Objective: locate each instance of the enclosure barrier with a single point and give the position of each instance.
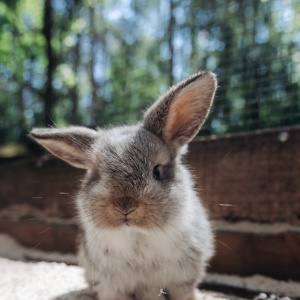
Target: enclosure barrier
(248, 182)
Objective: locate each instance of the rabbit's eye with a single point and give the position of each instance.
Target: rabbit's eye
(156, 172)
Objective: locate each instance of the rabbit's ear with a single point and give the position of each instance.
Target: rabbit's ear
(72, 144)
(177, 116)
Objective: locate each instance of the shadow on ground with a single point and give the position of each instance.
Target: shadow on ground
(84, 294)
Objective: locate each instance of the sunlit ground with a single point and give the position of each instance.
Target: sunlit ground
(24, 276)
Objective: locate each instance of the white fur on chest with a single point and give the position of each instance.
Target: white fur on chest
(129, 258)
(131, 247)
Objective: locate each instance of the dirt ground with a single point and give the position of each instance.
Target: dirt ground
(51, 281)
(32, 274)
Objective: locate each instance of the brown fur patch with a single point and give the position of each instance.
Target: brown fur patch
(146, 215)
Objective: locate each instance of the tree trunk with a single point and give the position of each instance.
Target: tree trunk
(93, 82)
(74, 90)
(250, 65)
(49, 92)
(226, 68)
(171, 30)
(253, 108)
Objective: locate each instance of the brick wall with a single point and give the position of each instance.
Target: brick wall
(249, 183)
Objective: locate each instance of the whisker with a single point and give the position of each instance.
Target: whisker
(224, 245)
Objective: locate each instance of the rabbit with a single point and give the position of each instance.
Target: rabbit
(145, 233)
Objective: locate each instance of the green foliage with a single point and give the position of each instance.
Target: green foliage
(111, 59)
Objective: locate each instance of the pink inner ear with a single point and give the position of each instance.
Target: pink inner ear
(189, 109)
(184, 115)
(178, 115)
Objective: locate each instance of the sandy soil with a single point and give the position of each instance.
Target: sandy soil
(50, 278)
(50, 281)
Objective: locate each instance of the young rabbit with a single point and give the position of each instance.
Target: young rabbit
(146, 234)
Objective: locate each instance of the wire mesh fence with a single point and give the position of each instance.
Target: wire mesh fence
(95, 65)
(258, 67)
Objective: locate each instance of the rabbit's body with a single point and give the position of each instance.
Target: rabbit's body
(130, 263)
(145, 232)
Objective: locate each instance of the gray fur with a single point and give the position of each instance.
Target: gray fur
(141, 235)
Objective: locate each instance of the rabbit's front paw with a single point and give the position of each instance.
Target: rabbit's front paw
(196, 296)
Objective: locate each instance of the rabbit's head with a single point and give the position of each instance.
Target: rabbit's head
(134, 176)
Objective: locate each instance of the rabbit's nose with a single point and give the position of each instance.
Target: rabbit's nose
(125, 205)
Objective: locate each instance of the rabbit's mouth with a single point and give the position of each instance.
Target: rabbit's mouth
(127, 222)
(133, 218)
(137, 214)
(127, 215)
(127, 209)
